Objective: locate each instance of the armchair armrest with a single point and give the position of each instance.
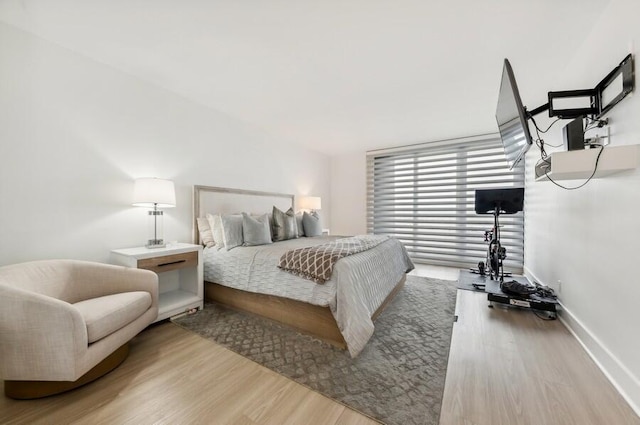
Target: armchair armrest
(42, 337)
(93, 280)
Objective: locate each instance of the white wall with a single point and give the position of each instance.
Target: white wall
(589, 239)
(74, 134)
(349, 194)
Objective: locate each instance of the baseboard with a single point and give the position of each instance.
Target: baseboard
(616, 372)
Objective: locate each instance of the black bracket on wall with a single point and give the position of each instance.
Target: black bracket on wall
(623, 74)
(586, 97)
(595, 102)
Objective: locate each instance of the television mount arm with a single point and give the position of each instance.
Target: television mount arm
(540, 109)
(621, 77)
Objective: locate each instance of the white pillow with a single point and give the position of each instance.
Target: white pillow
(206, 237)
(216, 229)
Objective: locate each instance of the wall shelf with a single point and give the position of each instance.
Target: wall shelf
(572, 165)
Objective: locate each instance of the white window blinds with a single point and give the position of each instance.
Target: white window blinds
(424, 196)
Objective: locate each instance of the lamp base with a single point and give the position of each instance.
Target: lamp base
(155, 243)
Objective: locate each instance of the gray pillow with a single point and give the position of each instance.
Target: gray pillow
(232, 229)
(256, 231)
(284, 225)
(299, 224)
(311, 224)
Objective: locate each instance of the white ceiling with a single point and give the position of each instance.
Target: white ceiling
(335, 76)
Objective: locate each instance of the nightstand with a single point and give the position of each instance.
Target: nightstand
(180, 274)
(326, 232)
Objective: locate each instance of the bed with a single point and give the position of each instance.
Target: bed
(340, 311)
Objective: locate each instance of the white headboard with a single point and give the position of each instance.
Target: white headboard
(222, 200)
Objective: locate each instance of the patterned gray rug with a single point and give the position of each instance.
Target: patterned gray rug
(397, 379)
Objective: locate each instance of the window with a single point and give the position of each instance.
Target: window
(424, 196)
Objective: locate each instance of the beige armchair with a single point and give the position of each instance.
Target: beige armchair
(64, 323)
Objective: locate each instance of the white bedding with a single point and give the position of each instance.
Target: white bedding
(358, 286)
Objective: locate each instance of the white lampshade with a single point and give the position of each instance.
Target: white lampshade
(310, 203)
(149, 192)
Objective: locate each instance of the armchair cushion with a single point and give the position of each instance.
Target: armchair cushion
(107, 314)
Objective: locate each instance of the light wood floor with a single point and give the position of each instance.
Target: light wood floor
(173, 376)
(505, 367)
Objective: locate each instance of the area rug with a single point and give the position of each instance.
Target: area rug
(397, 379)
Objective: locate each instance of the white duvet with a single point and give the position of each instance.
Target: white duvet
(358, 286)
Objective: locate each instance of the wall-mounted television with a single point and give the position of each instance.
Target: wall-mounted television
(512, 119)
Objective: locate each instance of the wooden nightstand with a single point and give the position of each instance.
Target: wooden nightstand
(180, 274)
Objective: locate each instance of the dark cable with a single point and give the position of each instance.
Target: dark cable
(554, 146)
(594, 123)
(540, 145)
(540, 142)
(548, 128)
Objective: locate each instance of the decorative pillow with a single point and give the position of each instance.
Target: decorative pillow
(256, 231)
(215, 222)
(206, 237)
(299, 225)
(232, 231)
(311, 224)
(284, 225)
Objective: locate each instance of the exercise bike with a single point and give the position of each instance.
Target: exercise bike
(496, 201)
(496, 253)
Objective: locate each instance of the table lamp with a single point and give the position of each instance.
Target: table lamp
(156, 193)
(311, 203)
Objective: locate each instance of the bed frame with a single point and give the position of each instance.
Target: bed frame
(308, 318)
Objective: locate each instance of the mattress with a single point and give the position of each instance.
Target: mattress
(358, 286)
